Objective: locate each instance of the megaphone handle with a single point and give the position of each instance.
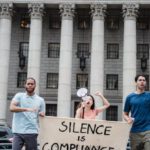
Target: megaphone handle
(83, 113)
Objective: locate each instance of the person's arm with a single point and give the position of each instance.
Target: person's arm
(42, 109)
(15, 108)
(79, 111)
(42, 114)
(127, 118)
(106, 104)
(127, 110)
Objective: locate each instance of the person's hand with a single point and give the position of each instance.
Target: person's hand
(42, 114)
(130, 120)
(98, 93)
(83, 104)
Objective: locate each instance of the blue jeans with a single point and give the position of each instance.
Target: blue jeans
(27, 140)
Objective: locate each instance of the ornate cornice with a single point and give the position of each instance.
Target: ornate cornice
(67, 10)
(120, 2)
(36, 10)
(6, 10)
(98, 10)
(130, 11)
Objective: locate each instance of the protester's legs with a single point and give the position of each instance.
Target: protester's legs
(147, 145)
(146, 140)
(18, 142)
(136, 141)
(30, 141)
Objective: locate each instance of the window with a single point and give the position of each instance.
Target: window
(112, 113)
(25, 22)
(51, 109)
(143, 23)
(111, 82)
(142, 51)
(113, 23)
(83, 50)
(81, 81)
(53, 50)
(21, 77)
(54, 21)
(23, 54)
(52, 80)
(112, 51)
(83, 22)
(76, 104)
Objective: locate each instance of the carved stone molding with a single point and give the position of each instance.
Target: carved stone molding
(36, 10)
(6, 10)
(130, 11)
(98, 11)
(67, 11)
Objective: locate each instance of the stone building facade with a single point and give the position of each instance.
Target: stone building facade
(66, 45)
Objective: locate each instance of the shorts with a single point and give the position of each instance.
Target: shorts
(140, 141)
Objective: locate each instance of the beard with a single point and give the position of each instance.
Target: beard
(30, 90)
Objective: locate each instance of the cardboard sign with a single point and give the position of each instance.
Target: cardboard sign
(80, 134)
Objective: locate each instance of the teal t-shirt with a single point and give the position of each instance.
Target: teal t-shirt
(139, 106)
(27, 122)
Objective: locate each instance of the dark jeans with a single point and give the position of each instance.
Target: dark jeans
(27, 140)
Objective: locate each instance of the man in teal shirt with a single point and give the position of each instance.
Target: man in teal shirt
(137, 111)
(27, 107)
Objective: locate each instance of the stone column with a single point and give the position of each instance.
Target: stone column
(97, 50)
(5, 40)
(35, 40)
(65, 61)
(129, 48)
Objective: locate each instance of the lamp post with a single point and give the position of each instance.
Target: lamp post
(82, 56)
(82, 62)
(22, 60)
(143, 64)
(83, 49)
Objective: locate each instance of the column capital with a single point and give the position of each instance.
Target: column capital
(130, 11)
(98, 10)
(6, 10)
(67, 10)
(36, 10)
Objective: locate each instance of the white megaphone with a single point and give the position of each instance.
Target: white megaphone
(82, 92)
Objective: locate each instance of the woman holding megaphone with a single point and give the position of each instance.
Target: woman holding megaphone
(86, 108)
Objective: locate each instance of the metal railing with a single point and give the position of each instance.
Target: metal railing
(5, 144)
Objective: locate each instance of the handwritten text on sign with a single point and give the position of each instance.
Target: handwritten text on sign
(78, 134)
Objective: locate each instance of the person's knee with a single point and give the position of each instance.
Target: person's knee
(17, 143)
(17, 146)
(31, 142)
